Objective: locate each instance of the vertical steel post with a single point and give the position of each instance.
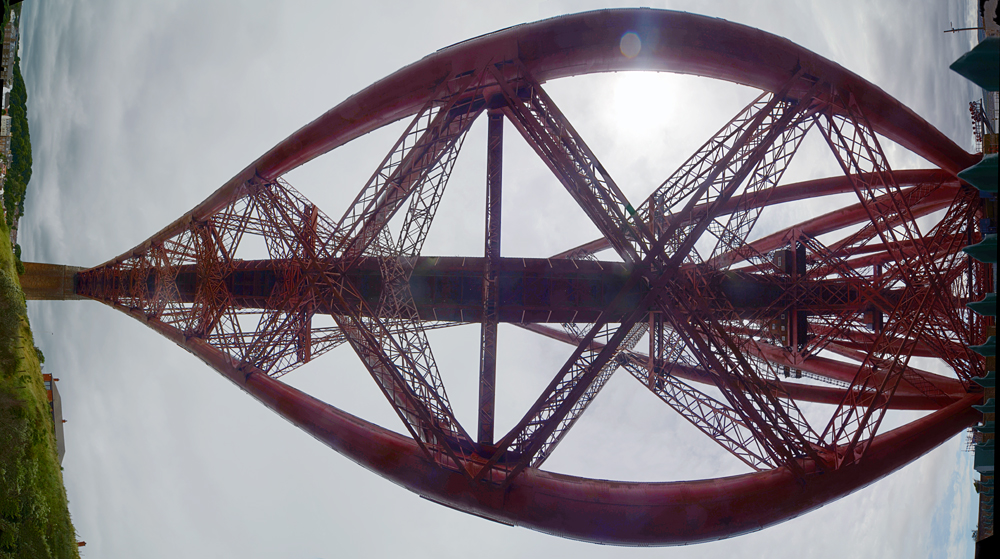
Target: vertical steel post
(655, 348)
(488, 348)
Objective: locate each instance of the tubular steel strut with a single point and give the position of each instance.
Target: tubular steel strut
(749, 318)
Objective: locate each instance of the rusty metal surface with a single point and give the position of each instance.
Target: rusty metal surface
(609, 512)
(589, 43)
(741, 316)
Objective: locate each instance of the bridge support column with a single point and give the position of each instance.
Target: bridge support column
(49, 282)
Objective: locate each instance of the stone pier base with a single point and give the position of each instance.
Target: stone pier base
(49, 282)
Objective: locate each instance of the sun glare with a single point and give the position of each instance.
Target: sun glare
(630, 45)
(642, 102)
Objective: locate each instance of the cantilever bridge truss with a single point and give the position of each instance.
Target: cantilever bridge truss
(691, 297)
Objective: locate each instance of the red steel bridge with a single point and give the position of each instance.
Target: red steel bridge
(685, 295)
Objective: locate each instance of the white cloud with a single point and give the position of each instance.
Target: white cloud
(138, 111)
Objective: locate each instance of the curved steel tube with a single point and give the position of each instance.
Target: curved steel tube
(906, 396)
(839, 219)
(600, 511)
(588, 43)
(592, 510)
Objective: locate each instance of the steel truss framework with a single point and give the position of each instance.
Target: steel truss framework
(717, 306)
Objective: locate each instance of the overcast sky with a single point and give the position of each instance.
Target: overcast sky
(139, 110)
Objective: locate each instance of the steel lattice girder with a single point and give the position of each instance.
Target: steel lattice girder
(437, 463)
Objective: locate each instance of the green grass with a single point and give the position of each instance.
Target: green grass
(19, 171)
(34, 514)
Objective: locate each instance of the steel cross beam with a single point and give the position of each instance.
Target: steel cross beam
(559, 145)
(944, 323)
(422, 407)
(733, 234)
(930, 181)
(608, 369)
(564, 151)
(950, 229)
(520, 446)
(827, 261)
(762, 405)
(763, 123)
(425, 151)
(863, 341)
(301, 278)
(708, 172)
(574, 380)
(874, 295)
(418, 167)
(858, 151)
(766, 172)
(420, 162)
(836, 373)
(281, 336)
(831, 260)
(718, 421)
(662, 377)
(491, 287)
(866, 401)
(785, 437)
(394, 345)
(272, 337)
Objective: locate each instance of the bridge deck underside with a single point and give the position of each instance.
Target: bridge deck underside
(531, 290)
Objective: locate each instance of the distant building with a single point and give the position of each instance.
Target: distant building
(989, 27)
(5, 135)
(55, 404)
(9, 51)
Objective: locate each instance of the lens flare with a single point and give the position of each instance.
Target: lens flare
(630, 45)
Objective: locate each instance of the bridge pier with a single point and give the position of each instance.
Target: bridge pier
(49, 282)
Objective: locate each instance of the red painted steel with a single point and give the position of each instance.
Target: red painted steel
(906, 397)
(583, 44)
(609, 512)
(491, 280)
(887, 288)
(818, 188)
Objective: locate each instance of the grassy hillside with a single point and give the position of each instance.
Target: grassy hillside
(19, 172)
(34, 517)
